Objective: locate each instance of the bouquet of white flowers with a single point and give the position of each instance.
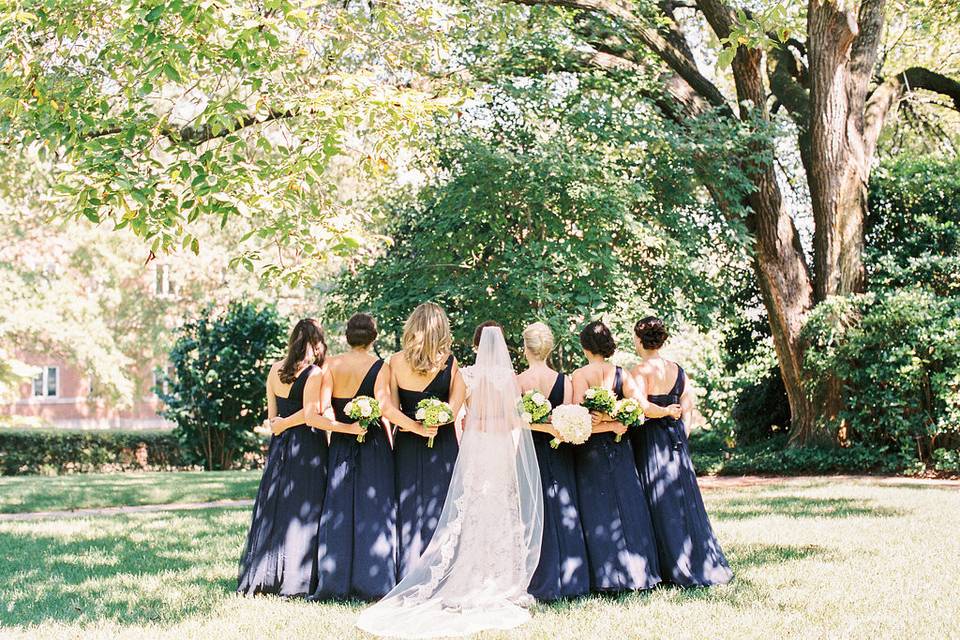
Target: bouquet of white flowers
(573, 423)
(433, 413)
(366, 411)
(599, 399)
(627, 412)
(534, 407)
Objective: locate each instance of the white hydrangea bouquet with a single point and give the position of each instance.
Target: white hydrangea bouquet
(573, 423)
(628, 412)
(365, 411)
(433, 413)
(534, 407)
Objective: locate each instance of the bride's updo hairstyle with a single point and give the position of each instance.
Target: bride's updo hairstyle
(652, 332)
(426, 338)
(538, 340)
(478, 332)
(597, 339)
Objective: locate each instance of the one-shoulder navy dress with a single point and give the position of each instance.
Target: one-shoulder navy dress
(562, 571)
(357, 544)
(281, 552)
(689, 552)
(423, 473)
(621, 546)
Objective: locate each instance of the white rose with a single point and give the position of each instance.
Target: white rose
(443, 418)
(590, 393)
(365, 411)
(421, 414)
(527, 417)
(349, 407)
(538, 398)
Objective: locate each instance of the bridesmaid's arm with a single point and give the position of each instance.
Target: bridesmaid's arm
(688, 401)
(317, 388)
(458, 390)
(381, 391)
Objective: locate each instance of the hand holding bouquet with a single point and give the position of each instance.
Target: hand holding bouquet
(534, 407)
(433, 413)
(627, 412)
(366, 411)
(573, 423)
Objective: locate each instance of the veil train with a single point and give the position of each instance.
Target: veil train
(475, 572)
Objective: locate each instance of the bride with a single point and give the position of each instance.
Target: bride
(474, 573)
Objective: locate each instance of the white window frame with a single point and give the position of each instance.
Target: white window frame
(44, 376)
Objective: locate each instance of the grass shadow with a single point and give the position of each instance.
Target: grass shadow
(125, 569)
(799, 507)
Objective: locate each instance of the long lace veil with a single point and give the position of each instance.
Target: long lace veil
(475, 572)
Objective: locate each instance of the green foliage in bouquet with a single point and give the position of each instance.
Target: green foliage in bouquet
(599, 399)
(366, 411)
(534, 407)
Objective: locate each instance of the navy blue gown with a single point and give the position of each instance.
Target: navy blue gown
(621, 547)
(423, 474)
(688, 551)
(357, 542)
(562, 571)
(281, 552)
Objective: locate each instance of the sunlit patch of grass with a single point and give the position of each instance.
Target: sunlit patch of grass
(20, 494)
(815, 559)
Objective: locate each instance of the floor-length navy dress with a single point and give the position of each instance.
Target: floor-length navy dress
(621, 547)
(281, 552)
(689, 552)
(357, 542)
(423, 473)
(562, 571)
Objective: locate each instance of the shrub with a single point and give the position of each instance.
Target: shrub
(217, 391)
(25, 451)
(898, 357)
(762, 409)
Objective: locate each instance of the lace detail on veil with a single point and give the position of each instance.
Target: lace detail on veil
(475, 572)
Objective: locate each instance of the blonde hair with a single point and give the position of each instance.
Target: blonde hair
(426, 338)
(538, 340)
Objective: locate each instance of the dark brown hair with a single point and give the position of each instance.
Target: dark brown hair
(479, 330)
(306, 332)
(651, 331)
(596, 338)
(361, 330)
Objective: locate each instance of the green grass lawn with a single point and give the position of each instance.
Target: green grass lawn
(815, 558)
(19, 494)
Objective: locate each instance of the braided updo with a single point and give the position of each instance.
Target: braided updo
(652, 332)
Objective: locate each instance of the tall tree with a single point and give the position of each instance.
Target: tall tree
(828, 84)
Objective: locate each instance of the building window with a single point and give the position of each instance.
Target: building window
(164, 285)
(45, 383)
(161, 381)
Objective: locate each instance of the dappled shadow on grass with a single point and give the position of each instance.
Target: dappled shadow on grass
(799, 507)
(125, 569)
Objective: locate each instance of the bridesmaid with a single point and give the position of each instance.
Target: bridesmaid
(424, 368)
(280, 555)
(357, 542)
(562, 572)
(621, 546)
(689, 553)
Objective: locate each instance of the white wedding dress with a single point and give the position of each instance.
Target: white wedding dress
(475, 572)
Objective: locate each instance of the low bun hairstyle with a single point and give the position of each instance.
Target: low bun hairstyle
(596, 338)
(361, 330)
(306, 332)
(538, 340)
(652, 332)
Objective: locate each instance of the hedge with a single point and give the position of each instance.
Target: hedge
(50, 451)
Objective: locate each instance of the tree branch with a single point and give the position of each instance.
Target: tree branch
(886, 98)
(203, 133)
(673, 57)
